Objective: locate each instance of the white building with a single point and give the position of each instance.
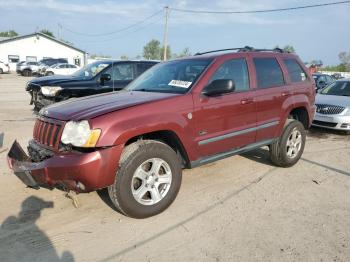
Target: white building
(34, 47)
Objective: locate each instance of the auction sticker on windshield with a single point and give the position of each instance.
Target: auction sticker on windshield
(179, 83)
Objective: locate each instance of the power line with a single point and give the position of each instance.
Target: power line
(257, 11)
(114, 32)
(126, 34)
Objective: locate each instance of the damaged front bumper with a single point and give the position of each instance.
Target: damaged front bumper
(77, 171)
(39, 100)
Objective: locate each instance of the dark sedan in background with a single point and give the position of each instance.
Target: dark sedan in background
(95, 78)
(322, 80)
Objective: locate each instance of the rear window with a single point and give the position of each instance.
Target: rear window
(268, 72)
(295, 71)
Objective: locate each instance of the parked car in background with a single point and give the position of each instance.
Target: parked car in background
(61, 69)
(47, 62)
(27, 68)
(95, 78)
(337, 76)
(4, 68)
(178, 114)
(322, 80)
(333, 106)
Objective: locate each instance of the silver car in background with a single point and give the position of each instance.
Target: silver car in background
(333, 106)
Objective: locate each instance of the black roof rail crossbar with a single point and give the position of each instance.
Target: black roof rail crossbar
(239, 49)
(277, 49)
(244, 49)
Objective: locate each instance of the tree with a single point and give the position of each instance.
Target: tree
(9, 33)
(95, 56)
(289, 48)
(124, 57)
(47, 32)
(318, 63)
(184, 53)
(344, 58)
(152, 50)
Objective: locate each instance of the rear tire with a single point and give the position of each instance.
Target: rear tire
(27, 73)
(1, 71)
(148, 179)
(288, 149)
(49, 73)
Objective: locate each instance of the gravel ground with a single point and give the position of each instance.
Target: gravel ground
(238, 209)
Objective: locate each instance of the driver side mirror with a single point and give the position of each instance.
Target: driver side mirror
(105, 78)
(219, 87)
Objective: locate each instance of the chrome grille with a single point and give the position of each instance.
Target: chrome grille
(47, 133)
(329, 109)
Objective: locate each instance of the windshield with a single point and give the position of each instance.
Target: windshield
(339, 88)
(90, 70)
(171, 77)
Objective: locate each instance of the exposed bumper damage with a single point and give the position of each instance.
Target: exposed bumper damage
(39, 100)
(76, 171)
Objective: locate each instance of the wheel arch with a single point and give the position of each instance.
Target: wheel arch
(301, 114)
(168, 137)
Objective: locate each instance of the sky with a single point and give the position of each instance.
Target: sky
(317, 34)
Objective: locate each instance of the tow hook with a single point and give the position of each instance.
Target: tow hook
(74, 197)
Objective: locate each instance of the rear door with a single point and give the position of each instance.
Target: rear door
(227, 121)
(270, 92)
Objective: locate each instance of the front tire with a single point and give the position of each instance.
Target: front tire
(288, 149)
(148, 179)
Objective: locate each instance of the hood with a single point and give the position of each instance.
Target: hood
(93, 106)
(333, 100)
(54, 80)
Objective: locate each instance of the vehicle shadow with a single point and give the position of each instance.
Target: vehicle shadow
(103, 194)
(22, 240)
(319, 132)
(260, 155)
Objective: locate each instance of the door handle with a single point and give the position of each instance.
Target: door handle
(286, 93)
(247, 101)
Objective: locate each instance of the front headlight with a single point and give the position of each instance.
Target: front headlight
(348, 111)
(79, 134)
(50, 90)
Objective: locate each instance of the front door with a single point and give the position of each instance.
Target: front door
(122, 75)
(226, 122)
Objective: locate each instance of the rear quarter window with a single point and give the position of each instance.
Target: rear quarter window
(295, 71)
(268, 72)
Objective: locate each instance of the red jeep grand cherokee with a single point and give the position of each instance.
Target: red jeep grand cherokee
(178, 114)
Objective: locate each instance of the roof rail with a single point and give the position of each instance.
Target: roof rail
(244, 49)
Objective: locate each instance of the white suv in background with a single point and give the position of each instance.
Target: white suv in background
(4, 68)
(61, 69)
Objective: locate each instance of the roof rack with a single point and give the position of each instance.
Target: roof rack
(244, 49)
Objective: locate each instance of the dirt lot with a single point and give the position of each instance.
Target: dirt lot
(238, 209)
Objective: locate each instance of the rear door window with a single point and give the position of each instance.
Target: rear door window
(268, 72)
(295, 71)
(142, 67)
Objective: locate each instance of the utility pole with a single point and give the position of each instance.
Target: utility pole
(165, 40)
